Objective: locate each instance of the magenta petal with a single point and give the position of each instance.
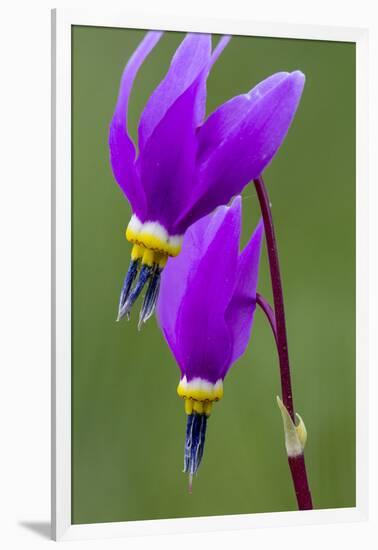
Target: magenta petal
(240, 312)
(190, 59)
(173, 285)
(223, 121)
(201, 97)
(122, 150)
(247, 149)
(174, 279)
(223, 42)
(167, 163)
(202, 333)
(191, 309)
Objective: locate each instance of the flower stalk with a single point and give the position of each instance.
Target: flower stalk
(266, 308)
(278, 323)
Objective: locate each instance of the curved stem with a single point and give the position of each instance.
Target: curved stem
(296, 463)
(275, 276)
(266, 307)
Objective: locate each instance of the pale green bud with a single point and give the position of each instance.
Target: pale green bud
(295, 436)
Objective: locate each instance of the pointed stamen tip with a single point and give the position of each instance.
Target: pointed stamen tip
(190, 484)
(119, 316)
(127, 286)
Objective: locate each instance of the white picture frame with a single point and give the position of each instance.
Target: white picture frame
(62, 21)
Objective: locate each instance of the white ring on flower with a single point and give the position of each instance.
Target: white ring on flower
(154, 236)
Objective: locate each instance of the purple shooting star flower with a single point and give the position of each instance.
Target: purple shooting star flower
(187, 167)
(205, 310)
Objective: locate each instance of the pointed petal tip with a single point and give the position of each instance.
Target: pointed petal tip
(277, 79)
(260, 228)
(191, 58)
(232, 215)
(298, 78)
(235, 207)
(258, 235)
(237, 211)
(223, 42)
(236, 202)
(298, 75)
(255, 241)
(156, 34)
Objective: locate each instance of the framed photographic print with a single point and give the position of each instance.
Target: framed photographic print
(209, 265)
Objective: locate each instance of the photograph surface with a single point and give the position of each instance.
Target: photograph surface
(213, 181)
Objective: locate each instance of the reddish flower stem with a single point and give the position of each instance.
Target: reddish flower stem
(297, 464)
(266, 307)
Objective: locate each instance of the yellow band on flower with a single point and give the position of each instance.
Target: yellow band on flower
(199, 394)
(153, 236)
(148, 257)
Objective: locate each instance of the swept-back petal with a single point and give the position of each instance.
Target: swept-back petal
(196, 289)
(122, 150)
(174, 280)
(173, 286)
(167, 165)
(175, 277)
(228, 116)
(203, 336)
(190, 59)
(223, 42)
(201, 97)
(247, 149)
(240, 311)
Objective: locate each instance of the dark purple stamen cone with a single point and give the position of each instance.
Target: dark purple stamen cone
(194, 443)
(144, 275)
(127, 284)
(150, 298)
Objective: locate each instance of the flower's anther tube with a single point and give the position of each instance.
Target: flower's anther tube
(194, 443)
(198, 395)
(150, 298)
(127, 284)
(152, 246)
(144, 275)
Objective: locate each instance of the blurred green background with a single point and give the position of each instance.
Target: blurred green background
(128, 423)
